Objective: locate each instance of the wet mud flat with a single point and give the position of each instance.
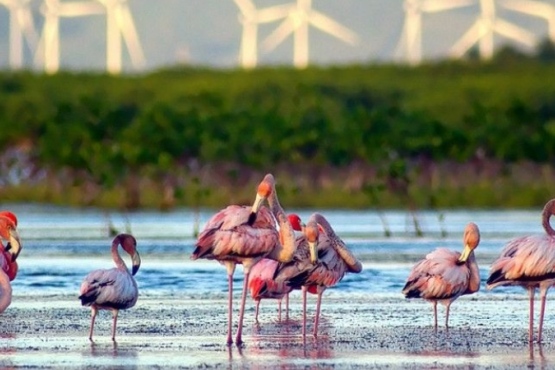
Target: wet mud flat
(356, 331)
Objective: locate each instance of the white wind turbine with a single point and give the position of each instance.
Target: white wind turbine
(120, 25)
(48, 52)
(297, 21)
(22, 29)
(536, 9)
(250, 18)
(410, 43)
(483, 30)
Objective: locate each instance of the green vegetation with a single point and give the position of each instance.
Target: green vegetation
(446, 134)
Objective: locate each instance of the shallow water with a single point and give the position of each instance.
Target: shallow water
(61, 245)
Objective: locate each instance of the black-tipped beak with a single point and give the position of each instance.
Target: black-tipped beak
(13, 246)
(136, 261)
(252, 218)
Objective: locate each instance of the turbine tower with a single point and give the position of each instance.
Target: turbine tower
(483, 30)
(410, 44)
(297, 21)
(22, 29)
(48, 53)
(536, 9)
(119, 24)
(250, 18)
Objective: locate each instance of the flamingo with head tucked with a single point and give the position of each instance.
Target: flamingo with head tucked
(262, 279)
(529, 262)
(246, 235)
(327, 267)
(444, 275)
(114, 289)
(9, 233)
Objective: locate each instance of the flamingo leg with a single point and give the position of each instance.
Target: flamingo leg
(435, 315)
(287, 306)
(238, 338)
(447, 315)
(304, 290)
(542, 311)
(230, 309)
(257, 306)
(279, 309)
(114, 323)
(318, 303)
(94, 312)
(531, 291)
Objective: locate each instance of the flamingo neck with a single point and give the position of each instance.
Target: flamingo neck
(285, 250)
(548, 211)
(349, 258)
(120, 263)
(5, 292)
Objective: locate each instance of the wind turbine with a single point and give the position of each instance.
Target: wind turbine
(297, 21)
(536, 9)
(250, 18)
(483, 30)
(120, 25)
(22, 29)
(48, 52)
(410, 43)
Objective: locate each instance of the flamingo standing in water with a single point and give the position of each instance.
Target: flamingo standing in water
(324, 270)
(245, 235)
(444, 275)
(114, 289)
(263, 285)
(529, 262)
(7, 259)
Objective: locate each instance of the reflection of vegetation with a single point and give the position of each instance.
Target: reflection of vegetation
(135, 141)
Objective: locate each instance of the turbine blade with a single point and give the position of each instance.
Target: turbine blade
(80, 9)
(328, 25)
(514, 32)
(275, 38)
(246, 7)
(471, 37)
(531, 7)
(130, 36)
(273, 13)
(435, 6)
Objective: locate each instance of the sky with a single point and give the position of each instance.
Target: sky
(208, 33)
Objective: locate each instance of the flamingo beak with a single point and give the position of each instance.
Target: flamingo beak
(136, 263)
(14, 246)
(464, 255)
(255, 208)
(313, 249)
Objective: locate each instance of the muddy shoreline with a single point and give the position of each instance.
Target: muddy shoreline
(357, 331)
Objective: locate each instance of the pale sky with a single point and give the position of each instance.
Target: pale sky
(208, 32)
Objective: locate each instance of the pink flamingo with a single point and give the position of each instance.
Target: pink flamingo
(529, 262)
(444, 275)
(7, 259)
(246, 235)
(321, 271)
(263, 285)
(11, 251)
(114, 289)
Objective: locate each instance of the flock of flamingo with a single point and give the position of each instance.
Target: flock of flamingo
(276, 262)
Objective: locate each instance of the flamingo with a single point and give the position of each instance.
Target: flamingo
(444, 275)
(262, 284)
(11, 251)
(114, 289)
(7, 258)
(245, 235)
(321, 271)
(529, 262)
